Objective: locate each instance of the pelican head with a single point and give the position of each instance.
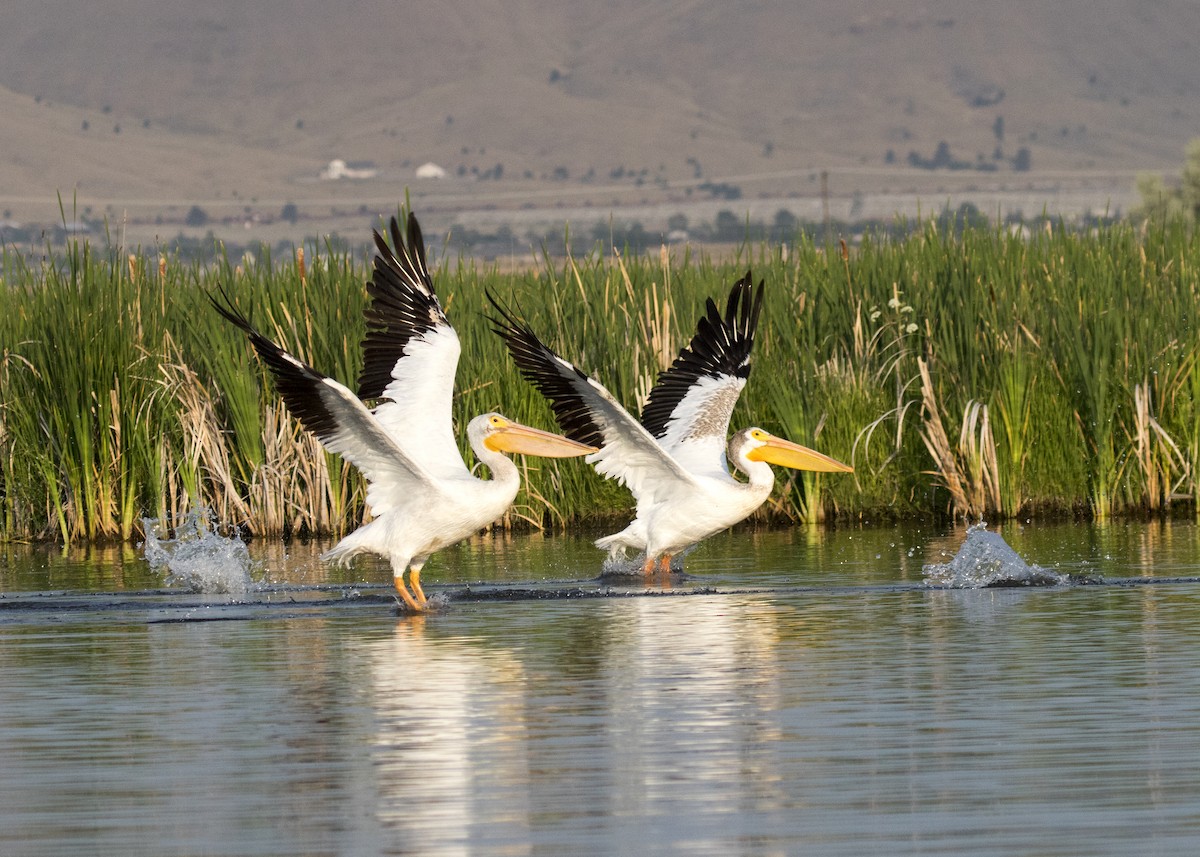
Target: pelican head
(755, 444)
(497, 433)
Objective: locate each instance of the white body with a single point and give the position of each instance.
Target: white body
(419, 488)
(681, 520)
(413, 522)
(675, 460)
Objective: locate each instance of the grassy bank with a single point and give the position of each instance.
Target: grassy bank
(973, 374)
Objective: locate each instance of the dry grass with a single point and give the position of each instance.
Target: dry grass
(969, 375)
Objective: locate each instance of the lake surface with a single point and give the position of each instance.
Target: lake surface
(800, 692)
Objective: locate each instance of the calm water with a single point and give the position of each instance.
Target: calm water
(800, 693)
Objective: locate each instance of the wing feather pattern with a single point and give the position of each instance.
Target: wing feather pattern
(690, 405)
(339, 419)
(410, 352)
(588, 413)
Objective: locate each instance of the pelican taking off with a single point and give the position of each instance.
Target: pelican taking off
(674, 460)
(419, 488)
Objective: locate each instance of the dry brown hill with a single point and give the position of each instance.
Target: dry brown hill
(143, 108)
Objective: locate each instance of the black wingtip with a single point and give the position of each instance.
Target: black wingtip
(298, 383)
(510, 320)
(416, 242)
(549, 374)
(228, 310)
(720, 346)
(403, 303)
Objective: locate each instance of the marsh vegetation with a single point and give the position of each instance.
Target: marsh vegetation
(975, 372)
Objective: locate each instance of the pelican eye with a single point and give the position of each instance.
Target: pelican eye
(758, 434)
(497, 421)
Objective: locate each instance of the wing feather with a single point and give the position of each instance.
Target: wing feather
(410, 352)
(690, 405)
(339, 419)
(588, 413)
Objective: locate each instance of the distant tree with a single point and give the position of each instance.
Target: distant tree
(1023, 160)
(785, 226)
(632, 237)
(196, 216)
(998, 129)
(729, 227)
(677, 222)
(289, 212)
(86, 125)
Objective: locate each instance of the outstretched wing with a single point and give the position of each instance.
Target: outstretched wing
(690, 405)
(339, 419)
(589, 414)
(410, 353)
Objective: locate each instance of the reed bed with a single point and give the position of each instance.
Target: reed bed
(973, 373)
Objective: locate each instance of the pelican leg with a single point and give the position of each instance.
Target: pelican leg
(405, 595)
(648, 567)
(665, 564)
(414, 580)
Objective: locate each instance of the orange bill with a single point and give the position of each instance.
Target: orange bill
(514, 437)
(776, 450)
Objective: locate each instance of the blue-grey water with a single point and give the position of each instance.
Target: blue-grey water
(801, 692)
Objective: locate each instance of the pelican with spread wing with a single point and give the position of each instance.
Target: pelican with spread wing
(419, 489)
(676, 460)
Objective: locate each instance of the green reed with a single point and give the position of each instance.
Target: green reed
(973, 373)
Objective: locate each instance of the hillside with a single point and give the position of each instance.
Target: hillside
(141, 109)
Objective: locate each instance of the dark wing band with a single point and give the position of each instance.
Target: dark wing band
(403, 305)
(588, 413)
(564, 386)
(336, 416)
(720, 349)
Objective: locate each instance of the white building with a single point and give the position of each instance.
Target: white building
(430, 170)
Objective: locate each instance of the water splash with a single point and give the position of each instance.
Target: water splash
(985, 559)
(198, 557)
(622, 566)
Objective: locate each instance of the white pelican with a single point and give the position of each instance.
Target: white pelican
(674, 460)
(419, 489)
